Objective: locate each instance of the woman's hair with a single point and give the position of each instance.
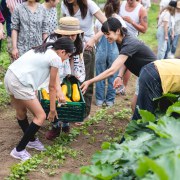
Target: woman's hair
(113, 24)
(82, 6)
(111, 6)
(78, 43)
(170, 9)
(63, 43)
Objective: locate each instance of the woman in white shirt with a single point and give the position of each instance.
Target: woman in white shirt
(22, 80)
(162, 32)
(85, 11)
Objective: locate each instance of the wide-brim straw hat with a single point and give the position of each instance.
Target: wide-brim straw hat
(68, 26)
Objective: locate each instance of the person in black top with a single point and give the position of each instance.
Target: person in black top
(133, 54)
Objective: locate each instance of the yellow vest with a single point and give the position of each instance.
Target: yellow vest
(169, 71)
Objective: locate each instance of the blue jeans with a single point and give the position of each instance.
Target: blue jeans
(174, 44)
(162, 43)
(106, 53)
(149, 88)
(171, 44)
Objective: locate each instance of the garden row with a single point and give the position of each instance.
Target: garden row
(151, 149)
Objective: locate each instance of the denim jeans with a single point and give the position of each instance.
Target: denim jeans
(171, 44)
(162, 43)
(106, 53)
(149, 88)
(89, 62)
(174, 44)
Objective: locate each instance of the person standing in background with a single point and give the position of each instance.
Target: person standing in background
(162, 32)
(1, 26)
(29, 27)
(85, 11)
(174, 38)
(50, 6)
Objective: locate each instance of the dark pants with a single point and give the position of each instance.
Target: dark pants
(149, 88)
(89, 61)
(7, 16)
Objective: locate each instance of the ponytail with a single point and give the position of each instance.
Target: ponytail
(63, 43)
(111, 7)
(42, 48)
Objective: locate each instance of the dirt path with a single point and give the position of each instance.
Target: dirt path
(11, 133)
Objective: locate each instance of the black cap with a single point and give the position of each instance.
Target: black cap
(173, 4)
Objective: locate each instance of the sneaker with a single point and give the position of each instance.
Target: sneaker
(121, 90)
(99, 103)
(22, 155)
(170, 55)
(109, 103)
(53, 133)
(36, 145)
(66, 129)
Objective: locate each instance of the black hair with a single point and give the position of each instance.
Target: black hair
(63, 43)
(113, 24)
(111, 6)
(78, 43)
(82, 6)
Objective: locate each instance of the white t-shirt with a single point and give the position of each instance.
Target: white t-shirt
(164, 16)
(86, 24)
(98, 24)
(32, 69)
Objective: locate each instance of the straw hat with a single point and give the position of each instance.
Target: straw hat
(68, 26)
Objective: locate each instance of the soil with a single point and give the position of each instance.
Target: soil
(11, 134)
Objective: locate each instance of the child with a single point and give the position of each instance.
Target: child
(22, 83)
(69, 27)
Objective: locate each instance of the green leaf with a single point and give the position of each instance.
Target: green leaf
(147, 116)
(105, 145)
(147, 164)
(174, 108)
(101, 172)
(107, 156)
(70, 176)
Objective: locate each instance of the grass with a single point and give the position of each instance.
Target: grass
(150, 36)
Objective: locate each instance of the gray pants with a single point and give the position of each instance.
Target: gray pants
(89, 61)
